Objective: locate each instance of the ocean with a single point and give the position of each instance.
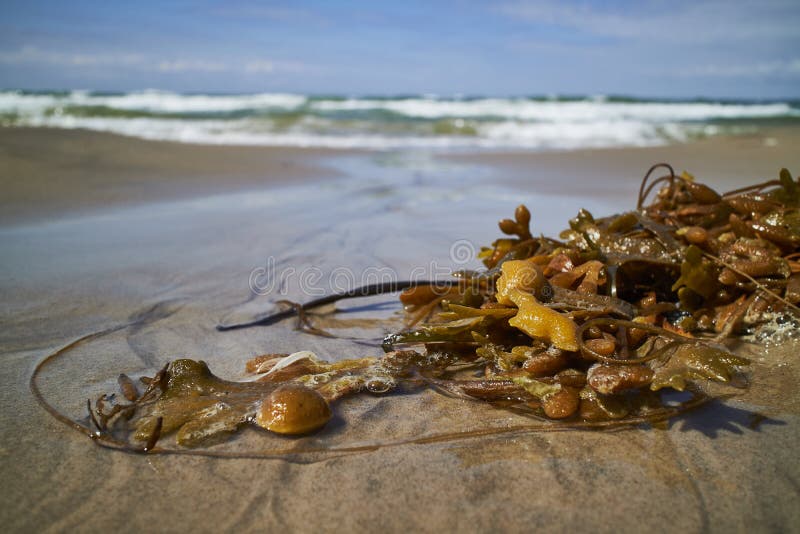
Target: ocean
(416, 121)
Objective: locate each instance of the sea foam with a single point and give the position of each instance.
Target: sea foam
(383, 123)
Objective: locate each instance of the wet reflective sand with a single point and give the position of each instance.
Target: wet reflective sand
(173, 270)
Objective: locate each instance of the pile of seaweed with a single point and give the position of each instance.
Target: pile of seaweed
(592, 329)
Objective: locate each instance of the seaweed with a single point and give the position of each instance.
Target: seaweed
(588, 330)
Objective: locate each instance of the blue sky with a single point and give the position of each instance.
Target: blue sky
(676, 48)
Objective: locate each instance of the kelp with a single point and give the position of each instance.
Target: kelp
(588, 330)
(695, 361)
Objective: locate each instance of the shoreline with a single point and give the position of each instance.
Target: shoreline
(722, 162)
(48, 174)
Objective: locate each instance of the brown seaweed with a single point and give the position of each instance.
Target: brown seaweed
(590, 329)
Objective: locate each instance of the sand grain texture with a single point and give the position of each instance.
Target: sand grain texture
(182, 265)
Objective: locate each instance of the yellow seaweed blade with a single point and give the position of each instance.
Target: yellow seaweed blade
(522, 275)
(541, 322)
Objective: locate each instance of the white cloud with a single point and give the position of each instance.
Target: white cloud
(259, 66)
(264, 66)
(788, 68)
(191, 65)
(35, 55)
(678, 21)
(32, 54)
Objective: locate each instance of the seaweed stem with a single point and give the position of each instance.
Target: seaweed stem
(644, 193)
(608, 321)
(363, 291)
(91, 415)
(758, 284)
(754, 187)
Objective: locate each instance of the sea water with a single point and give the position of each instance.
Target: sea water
(417, 121)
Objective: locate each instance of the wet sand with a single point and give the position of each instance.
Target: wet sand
(50, 173)
(173, 268)
(47, 173)
(722, 162)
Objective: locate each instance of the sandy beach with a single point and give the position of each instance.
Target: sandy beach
(722, 162)
(49, 173)
(99, 231)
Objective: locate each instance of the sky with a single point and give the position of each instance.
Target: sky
(677, 48)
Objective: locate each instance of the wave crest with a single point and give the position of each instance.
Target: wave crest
(415, 121)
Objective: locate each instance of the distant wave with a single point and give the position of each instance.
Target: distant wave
(538, 123)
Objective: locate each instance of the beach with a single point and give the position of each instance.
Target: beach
(50, 173)
(157, 241)
(724, 162)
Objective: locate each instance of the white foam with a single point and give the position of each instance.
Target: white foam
(487, 122)
(152, 101)
(175, 103)
(559, 111)
(507, 134)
